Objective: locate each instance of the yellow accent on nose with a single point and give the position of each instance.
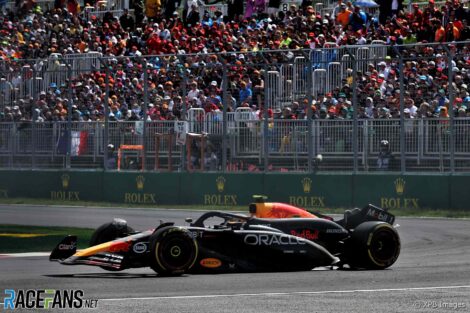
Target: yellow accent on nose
(95, 249)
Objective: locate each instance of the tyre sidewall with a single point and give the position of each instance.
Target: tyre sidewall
(361, 245)
(160, 260)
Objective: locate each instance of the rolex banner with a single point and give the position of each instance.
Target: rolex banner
(236, 190)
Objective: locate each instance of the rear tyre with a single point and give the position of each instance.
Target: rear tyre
(109, 232)
(173, 251)
(374, 245)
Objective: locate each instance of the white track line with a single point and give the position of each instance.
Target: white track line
(270, 294)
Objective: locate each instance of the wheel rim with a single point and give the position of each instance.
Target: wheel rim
(176, 252)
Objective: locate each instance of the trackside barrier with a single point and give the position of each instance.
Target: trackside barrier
(390, 191)
(43, 145)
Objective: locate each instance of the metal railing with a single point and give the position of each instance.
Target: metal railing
(427, 144)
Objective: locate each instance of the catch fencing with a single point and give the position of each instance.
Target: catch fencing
(166, 105)
(285, 144)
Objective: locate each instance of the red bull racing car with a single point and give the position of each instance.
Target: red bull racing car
(276, 237)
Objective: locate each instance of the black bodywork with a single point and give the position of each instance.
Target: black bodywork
(237, 243)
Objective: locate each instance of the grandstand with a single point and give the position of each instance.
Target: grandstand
(74, 81)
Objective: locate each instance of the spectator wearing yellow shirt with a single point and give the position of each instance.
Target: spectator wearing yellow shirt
(285, 42)
(152, 8)
(409, 38)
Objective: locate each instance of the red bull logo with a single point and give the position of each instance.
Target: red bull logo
(306, 233)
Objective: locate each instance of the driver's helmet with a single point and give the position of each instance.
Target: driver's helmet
(384, 144)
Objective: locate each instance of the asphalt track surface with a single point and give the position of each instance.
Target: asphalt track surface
(431, 275)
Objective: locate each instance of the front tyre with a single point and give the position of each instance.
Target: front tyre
(173, 251)
(374, 245)
(118, 228)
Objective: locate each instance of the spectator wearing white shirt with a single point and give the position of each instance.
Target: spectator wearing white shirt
(194, 91)
(369, 107)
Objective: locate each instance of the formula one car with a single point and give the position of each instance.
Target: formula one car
(237, 243)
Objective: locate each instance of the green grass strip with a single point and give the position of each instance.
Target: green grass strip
(11, 243)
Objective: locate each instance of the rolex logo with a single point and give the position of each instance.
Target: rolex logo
(307, 184)
(65, 181)
(140, 180)
(400, 185)
(220, 183)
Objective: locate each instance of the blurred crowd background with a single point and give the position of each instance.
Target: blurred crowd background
(247, 37)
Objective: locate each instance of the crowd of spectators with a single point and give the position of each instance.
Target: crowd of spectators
(246, 43)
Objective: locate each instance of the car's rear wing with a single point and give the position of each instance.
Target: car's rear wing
(65, 249)
(368, 213)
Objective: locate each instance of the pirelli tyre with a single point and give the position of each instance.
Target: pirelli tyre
(173, 251)
(374, 245)
(118, 228)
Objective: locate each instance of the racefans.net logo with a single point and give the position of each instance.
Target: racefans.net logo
(47, 299)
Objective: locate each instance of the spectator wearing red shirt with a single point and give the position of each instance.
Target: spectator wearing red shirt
(154, 42)
(417, 14)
